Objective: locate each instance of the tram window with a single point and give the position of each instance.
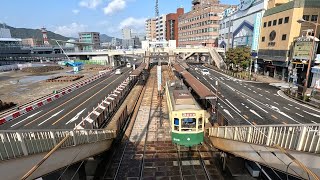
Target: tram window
(176, 121)
(188, 123)
(200, 123)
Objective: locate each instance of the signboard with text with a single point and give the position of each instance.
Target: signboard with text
(256, 32)
(302, 50)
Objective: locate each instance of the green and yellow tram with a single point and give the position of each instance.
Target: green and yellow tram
(187, 118)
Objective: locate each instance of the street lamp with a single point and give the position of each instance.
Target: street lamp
(311, 51)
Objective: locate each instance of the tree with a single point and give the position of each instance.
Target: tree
(239, 57)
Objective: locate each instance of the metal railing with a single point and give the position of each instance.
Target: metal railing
(295, 137)
(14, 144)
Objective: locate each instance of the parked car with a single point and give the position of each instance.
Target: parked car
(118, 71)
(205, 72)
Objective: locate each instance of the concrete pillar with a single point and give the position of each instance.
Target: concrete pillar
(283, 73)
(111, 60)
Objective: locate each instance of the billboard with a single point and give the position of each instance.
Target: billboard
(256, 32)
(302, 50)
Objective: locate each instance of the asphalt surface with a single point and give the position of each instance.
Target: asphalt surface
(247, 102)
(67, 111)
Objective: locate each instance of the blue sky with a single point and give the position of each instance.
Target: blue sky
(67, 17)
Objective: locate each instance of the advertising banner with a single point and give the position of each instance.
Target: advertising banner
(256, 32)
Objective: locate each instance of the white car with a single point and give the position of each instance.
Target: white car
(205, 72)
(118, 71)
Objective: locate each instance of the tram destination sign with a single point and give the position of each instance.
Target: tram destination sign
(188, 114)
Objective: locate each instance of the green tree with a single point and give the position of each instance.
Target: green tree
(238, 57)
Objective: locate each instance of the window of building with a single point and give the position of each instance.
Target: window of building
(269, 23)
(280, 21)
(314, 18)
(306, 17)
(284, 37)
(263, 39)
(286, 20)
(265, 24)
(274, 22)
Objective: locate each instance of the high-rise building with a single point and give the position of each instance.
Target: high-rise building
(150, 26)
(240, 25)
(126, 33)
(90, 37)
(161, 28)
(200, 26)
(172, 25)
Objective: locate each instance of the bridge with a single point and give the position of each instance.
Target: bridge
(40, 128)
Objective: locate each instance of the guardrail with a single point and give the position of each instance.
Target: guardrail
(298, 137)
(13, 113)
(14, 144)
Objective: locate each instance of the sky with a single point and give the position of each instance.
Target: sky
(68, 17)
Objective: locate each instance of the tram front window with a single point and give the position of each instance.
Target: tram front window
(188, 123)
(176, 124)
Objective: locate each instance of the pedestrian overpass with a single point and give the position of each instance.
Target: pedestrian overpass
(288, 148)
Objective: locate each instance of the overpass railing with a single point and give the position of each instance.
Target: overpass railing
(300, 137)
(14, 144)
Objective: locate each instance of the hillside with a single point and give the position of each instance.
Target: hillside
(106, 38)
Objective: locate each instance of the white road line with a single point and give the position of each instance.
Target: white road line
(299, 115)
(286, 115)
(228, 113)
(286, 108)
(276, 94)
(255, 113)
(26, 118)
(276, 103)
(233, 106)
(247, 107)
(296, 107)
(267, 91)
(312, 114)
(243, 96)
(249, 89)
(290, 105)
(50, 117)
(254, 91)
(75, 117)
(268, 99)
(287, 98)
(242, 104)
(244, 86)
(257, 106)
(260, 95)
(314, 122)
(259, 88)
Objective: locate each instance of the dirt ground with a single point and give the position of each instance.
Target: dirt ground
(22, 87)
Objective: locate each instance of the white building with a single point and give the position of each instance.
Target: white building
(5, 33)
(161, 28)
(126, 33)
(241, 26)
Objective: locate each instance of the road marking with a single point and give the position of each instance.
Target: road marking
(312, 114)
(26, 118)
(243, 96)
(274, 116)
(257, 106)
(260, 95)
(276, 103)
(268, 99)
(242, 104)
(233, 106)
(245, 116)
(276, 94)
(284, 122)
(254, 123)
(299, 115)
(50, 117)
(296, 107)
(76, 117)
(249, 89)
(267, 91)
(290, 105)
(222, 96)
(228, 113)
(286, 115)
(244, 86)
(247, 107)
(255, 113)
(74, 98)
(314, 122)
(259, 88)
(286, 108)
(254, 91)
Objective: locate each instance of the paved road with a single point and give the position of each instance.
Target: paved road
(244, 102)
(68, 110)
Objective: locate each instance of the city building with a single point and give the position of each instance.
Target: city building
(200, 26)
(127, 43)
(150, 26)
(5, 33)
(90, 37)
(172, 20)
(126, 33)
(240, 25)
(279, 32)
(161, 28)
